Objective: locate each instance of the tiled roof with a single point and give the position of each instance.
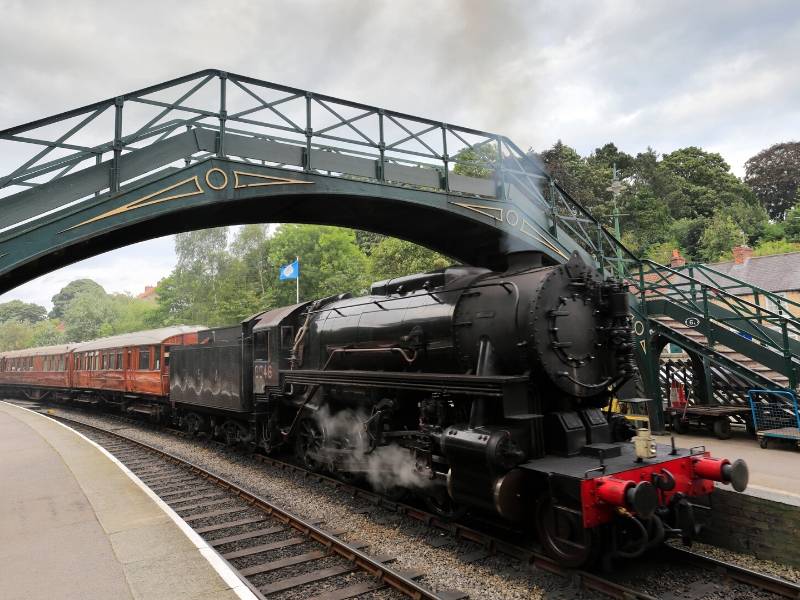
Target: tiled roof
(774, 273)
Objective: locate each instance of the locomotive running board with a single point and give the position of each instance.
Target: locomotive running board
(487, 385)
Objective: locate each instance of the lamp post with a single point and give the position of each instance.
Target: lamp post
(615, 188)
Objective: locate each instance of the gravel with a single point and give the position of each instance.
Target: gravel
(415, 546)
(496, 577)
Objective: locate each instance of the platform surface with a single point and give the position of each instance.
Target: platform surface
(774, 471)
(74, 524)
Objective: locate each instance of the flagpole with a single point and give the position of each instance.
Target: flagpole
(297, 280)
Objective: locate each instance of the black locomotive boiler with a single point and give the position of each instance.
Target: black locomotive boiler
(470, 388)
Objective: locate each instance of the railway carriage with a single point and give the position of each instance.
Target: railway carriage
(37, 371)
(129, 370)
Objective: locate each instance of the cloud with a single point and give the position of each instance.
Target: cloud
(719, 74)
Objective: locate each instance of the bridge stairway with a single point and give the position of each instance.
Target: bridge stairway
(741, 336)
(760, 374)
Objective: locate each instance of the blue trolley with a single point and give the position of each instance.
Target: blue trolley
(775, 415)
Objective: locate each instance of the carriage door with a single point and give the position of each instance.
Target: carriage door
(265, 372)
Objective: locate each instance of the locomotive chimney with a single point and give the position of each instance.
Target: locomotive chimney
(517, 261)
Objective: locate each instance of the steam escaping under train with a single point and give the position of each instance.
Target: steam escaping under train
(472, 389)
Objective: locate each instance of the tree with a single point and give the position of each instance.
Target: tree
(704, 183)
(62, 299)
(367, 240)
(394, 257)
(791, 226)
(15, 335)
(719, 237)
(750, 217)
(22, 311)
(330, 262)
(774, 175)
(47, 333)
(476, 161)
(88, 316)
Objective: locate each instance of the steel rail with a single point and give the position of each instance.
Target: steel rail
(724, 569)
(585, 579)
(360, 559)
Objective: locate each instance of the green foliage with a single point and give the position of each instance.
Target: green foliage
(367, 240)
(721, 234)
(774, 175)
(751, 218)
(476, 161)
(22, 311)
(88, 315)
(47, 333)
(775, 247)
(62, 299)
(791, 226)
(704, 183)
(330, 262)
(394, 258)
(662, 252)
(14, 335)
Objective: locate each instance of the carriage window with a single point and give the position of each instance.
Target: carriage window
(119, 361)
(261, 345)
(103, 361)
(112, 361)
(156, 358)
(287, 337)
(144, 359)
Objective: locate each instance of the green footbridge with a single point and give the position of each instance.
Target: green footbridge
(215, 148)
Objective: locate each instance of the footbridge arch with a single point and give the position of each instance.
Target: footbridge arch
(214, 148)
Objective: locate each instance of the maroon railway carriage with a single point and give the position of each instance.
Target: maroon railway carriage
(37, 371)
(119, 369)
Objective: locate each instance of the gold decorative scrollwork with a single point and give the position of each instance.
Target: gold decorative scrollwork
(173, 192)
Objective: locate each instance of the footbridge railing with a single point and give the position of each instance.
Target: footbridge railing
(66, 161)
(727, 311)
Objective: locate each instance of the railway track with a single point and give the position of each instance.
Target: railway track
(490, 544)
(259, 539)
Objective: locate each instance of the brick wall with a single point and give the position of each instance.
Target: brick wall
(764, 525)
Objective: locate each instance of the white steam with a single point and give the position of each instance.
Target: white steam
(385, 467)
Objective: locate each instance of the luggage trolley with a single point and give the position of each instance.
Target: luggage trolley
(775, 415)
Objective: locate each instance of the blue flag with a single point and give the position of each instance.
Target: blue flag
(290, 271)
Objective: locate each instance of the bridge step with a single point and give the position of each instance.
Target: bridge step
(735, 355)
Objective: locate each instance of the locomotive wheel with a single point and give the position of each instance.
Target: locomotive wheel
(563, 536)
(308, 441)
(192, 423)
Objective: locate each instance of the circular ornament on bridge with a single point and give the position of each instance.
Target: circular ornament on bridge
(691, 322)
(512, 217)
(224, 178)
(638, 328)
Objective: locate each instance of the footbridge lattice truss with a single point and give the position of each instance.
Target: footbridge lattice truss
(215, 148)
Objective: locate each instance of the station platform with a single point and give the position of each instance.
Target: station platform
(74, 523)
(774, 471)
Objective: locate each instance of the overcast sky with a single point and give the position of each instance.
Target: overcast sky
(718, 74)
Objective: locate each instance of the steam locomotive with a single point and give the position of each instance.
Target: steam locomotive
(472, 389)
